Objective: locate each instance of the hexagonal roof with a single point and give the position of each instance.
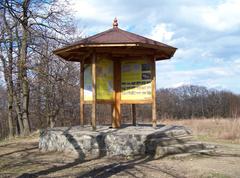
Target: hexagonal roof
(116, 41)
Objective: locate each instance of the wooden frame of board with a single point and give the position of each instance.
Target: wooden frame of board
(117, 89)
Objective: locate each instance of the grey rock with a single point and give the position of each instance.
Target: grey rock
(127, 141)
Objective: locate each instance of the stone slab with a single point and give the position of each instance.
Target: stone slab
(104, 141)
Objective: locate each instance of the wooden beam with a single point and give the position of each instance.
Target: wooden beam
(102, 101)
(134, 114)
(149, 101)
(154, 114)
(74, 47)
(117, 91)
(127, 51)
(113, 114)
(82, 93)
(94, 91)
(98, 101)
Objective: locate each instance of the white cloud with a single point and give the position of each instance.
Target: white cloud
(217, 15)
(161, 33)
(179, 84)
(205, 32)
(213, 77)
(188, 53)
(220, 17)
(224, 17)
(237, 63)
(90, 10)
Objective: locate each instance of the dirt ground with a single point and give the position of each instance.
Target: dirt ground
(21, 158)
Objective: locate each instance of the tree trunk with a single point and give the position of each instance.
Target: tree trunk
(52, 122)
(19, 114)
(8, 79)
(23, 70)
(10, 113)
(8, 70)
(17, 91)
(25, 86)
(50, 119)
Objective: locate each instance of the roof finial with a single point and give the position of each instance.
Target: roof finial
(115, 23)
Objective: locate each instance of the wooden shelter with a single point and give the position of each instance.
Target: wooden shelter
(117, 67)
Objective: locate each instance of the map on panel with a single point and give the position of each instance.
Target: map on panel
(136, 80)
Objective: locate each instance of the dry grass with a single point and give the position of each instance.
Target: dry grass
(212, 129)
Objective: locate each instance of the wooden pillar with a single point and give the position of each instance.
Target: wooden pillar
(82, 93)
(154, 114)
(117, 95)
(112, 111)
(134, 114)
(94, 91)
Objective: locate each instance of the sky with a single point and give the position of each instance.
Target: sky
(206, 33)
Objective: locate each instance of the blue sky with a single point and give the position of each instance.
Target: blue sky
(206, 33)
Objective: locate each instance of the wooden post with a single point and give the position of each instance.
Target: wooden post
(117, 98)
(154, 116)
(134, 114)
(82, 93)
(112, 111)
(94, 91)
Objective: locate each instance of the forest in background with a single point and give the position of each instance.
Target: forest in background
(39, 90)
(185, 102)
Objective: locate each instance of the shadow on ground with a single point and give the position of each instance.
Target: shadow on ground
(112, 167)
(106, 170)
(18, 151)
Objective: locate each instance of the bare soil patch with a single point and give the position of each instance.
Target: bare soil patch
(21, 158)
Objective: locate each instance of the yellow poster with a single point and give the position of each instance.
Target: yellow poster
(104, 80)
(136, 80)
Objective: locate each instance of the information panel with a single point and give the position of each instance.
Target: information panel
(136, 80)
(104, 80)
(87, 82)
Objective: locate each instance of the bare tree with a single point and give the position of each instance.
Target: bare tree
(33, 20)
(6, 44)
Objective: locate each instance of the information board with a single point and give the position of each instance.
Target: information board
(87, 82)
(104, 80)
(136, 80)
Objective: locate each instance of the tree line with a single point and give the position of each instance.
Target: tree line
(191, 101)
(39, 90)
(62, 108)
